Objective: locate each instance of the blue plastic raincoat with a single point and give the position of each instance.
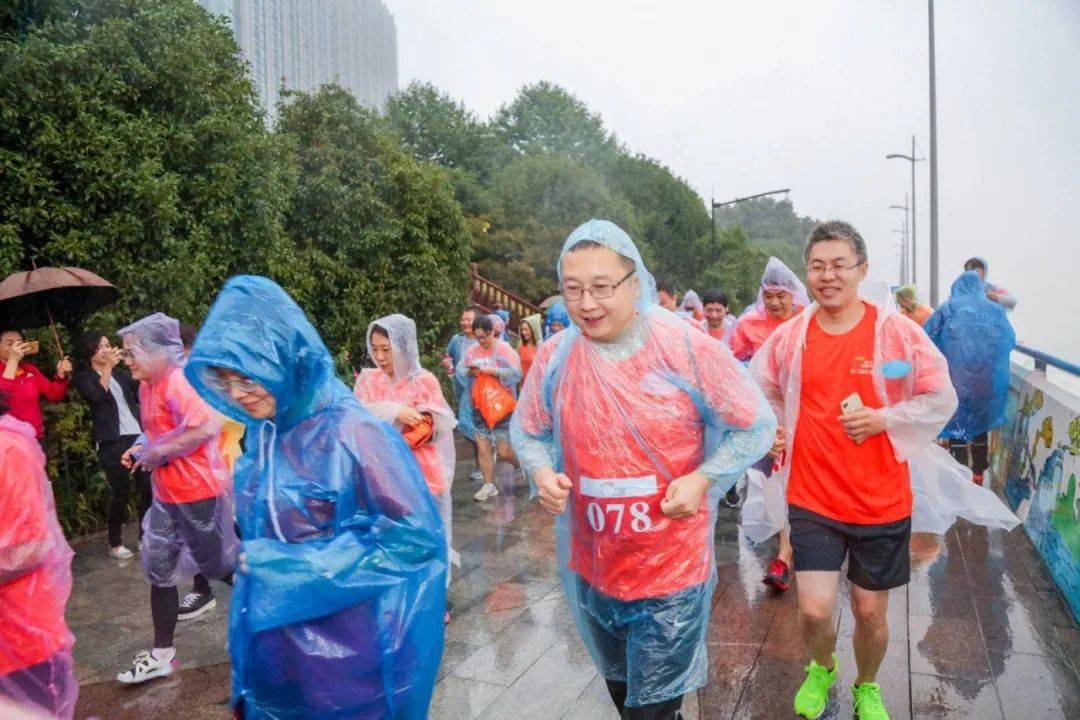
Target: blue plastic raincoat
(555, 313)
(456, 349)
(624, 419)
(975, 336)
(340, 614)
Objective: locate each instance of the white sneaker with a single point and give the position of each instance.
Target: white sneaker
(121, 553)
(486, 492)
(146, 667)
(476, 476)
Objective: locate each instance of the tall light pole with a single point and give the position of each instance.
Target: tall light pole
(905, 256)
(914, 250)
(902, 249)
(714, 205)
(933, 168)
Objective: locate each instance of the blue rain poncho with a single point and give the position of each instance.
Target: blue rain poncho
(975, 336)
(340, 614)
(555, 313)
(623, 420)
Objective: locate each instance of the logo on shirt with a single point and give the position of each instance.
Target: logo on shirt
(862, 366)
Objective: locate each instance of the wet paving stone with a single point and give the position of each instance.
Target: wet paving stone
(981, 632)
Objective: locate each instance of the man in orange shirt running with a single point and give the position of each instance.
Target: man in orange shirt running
(859, 388)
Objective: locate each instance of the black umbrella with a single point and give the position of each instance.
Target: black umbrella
(45, 296)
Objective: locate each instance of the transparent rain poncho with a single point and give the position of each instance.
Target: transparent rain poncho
(756, 324)
(623, 420)
(691, 306)
(188, 528)
(36, 666)
(974, 334)
(340, 611)
(413, 386)
(912, 380)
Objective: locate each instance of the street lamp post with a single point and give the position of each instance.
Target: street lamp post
(906, 255)
(902, 250)
(933, 167)
(914, 248)
(714, 205)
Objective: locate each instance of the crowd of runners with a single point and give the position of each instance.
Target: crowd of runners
(839, 415)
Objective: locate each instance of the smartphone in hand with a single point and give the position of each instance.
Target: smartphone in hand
(850, 404)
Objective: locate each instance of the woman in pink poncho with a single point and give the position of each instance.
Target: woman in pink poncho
(401, 392)
(36, 668)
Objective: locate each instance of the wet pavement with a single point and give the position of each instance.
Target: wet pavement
(981, 632)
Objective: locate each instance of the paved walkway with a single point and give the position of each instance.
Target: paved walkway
(981, 632)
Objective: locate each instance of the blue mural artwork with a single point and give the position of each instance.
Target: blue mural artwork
(1039, 453)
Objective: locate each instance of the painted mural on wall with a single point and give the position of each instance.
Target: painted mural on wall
(1040, 456)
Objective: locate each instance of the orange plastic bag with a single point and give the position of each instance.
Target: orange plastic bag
(494, 401)
(420, 433)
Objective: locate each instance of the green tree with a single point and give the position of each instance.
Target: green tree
(672, 216)
(544, 118)
(373, 230)
(131, 144)
(539, 200)
(772, 225)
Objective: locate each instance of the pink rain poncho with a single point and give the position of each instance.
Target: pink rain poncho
(413, 386)
(188, 528)
(756, 324)
(623, 420)
(36, 668)
(912, 380)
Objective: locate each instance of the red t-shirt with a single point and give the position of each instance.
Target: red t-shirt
(25, 390)
(830, 474)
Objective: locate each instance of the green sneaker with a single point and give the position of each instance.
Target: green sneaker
(812, 697)
(868, 705)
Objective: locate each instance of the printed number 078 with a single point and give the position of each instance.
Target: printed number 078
(598, 516)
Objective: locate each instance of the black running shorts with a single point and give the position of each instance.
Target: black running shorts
(878, 555)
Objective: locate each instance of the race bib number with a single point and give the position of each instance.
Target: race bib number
(617, 508)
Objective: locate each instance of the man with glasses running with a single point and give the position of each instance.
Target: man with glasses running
(629, 419)
(860, 390)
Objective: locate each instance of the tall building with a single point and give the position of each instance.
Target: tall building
(300, 44)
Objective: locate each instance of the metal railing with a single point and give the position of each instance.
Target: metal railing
(486, 294)
(1043, 360)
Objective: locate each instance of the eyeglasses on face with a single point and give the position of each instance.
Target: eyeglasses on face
(838, 268)
(227, 385)
(599, 291)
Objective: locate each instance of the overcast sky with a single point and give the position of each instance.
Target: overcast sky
(739, 98)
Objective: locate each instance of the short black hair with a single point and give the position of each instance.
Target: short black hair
(483, 322)
(86, 347)
(665, 286)
(836, 230)
(975, 264)
(626, 262)
(187, 335)
(475, 310)
(714, 295)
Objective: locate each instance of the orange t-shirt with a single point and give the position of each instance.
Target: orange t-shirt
(831, 475)
(527, 353)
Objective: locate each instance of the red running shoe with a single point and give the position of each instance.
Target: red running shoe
(779, 575)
